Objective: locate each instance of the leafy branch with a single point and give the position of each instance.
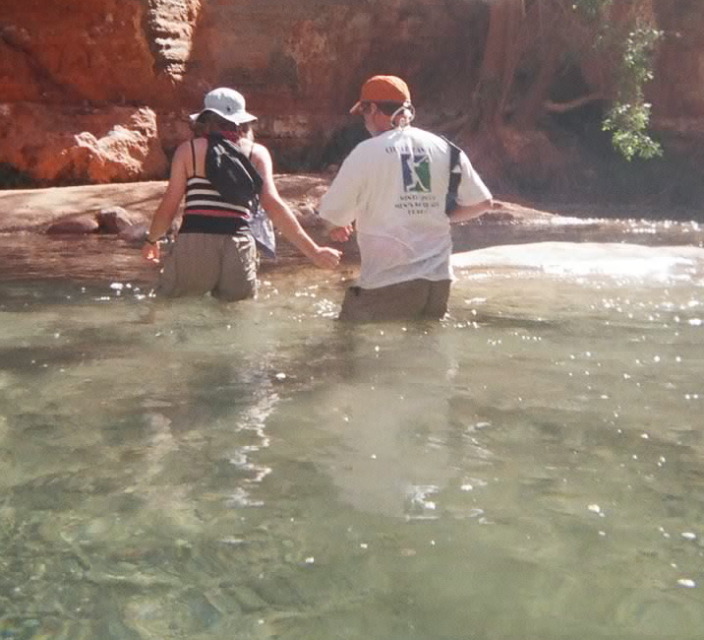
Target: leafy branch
(629, 117)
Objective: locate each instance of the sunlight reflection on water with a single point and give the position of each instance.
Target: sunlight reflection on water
(530, 468)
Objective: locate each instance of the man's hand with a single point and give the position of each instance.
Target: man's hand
(340, 234)
(326, 258)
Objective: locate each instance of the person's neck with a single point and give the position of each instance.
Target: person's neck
(383, 129)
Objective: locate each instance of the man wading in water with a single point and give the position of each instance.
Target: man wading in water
(394, 188)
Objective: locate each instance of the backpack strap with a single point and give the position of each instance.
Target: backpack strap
(193, 156)
(455, 177)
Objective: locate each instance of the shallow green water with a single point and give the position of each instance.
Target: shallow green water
(532, 468)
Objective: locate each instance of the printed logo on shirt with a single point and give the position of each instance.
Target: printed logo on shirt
(416, 172)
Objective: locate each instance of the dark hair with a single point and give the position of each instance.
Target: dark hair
(213, 122)
(387, 108)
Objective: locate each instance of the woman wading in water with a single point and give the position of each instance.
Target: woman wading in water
(215, 251)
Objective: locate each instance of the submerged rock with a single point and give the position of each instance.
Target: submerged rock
(81, 225)
(114, 220)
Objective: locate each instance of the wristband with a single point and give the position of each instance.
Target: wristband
(148, 241)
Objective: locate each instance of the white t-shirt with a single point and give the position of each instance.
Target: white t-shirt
(394, 186)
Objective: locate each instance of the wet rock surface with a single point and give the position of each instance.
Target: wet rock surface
(119, 206)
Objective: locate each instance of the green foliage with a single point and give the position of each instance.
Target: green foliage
(591, 9)
(628, 124)
(629, 117)
(638, 53)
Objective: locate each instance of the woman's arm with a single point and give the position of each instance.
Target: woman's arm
(284, 219)
(168, 207)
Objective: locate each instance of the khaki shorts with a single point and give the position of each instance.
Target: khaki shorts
(199, 263)
(415, 299)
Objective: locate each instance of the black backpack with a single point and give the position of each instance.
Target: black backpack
(455, 176)
(231, 172)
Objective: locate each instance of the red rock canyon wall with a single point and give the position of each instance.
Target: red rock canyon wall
(98, 90)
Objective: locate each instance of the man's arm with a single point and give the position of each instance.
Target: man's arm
(462, 214)
(472, 190)
(339, 205)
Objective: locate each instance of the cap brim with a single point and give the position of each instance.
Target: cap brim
(246, 117)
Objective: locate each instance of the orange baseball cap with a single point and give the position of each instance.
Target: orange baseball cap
(383, 89)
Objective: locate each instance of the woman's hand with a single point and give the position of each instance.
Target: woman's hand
(326, 258)
(151, 252)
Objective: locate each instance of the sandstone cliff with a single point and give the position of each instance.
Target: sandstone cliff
(98, 90)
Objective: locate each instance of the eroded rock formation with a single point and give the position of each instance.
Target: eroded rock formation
(82, 82)
(99, 90)
(81, 145)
